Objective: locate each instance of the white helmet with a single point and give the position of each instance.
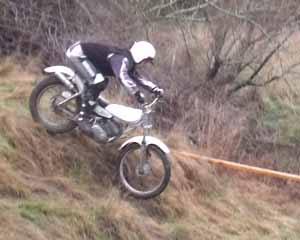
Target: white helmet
(142, 50)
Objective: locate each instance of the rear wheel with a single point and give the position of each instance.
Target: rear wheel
(145, 174)
(44, 109)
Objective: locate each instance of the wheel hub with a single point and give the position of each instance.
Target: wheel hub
(143, 170)
(54, 101)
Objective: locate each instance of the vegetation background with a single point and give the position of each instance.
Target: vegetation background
(230, 70)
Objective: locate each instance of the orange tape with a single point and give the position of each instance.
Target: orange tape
(242, 167)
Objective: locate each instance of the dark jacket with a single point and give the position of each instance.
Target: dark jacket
(113, 61)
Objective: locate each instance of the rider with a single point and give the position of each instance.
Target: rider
(94, 62)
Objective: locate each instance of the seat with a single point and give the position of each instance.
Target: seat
(127, 114)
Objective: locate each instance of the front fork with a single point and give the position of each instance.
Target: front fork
(144, 166)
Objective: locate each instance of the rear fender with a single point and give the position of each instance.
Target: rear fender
(63, 73)
(149, 141)
(60, 69)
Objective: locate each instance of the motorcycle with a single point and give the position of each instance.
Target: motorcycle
(144, 163)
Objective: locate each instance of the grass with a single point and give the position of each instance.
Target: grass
(180, 231)
(282, 117)
(281, 99)
(63, 187)
(34, 211)
(4, 144)
(77, 219)
(7, 88)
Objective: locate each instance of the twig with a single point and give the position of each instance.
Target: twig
(82, 5)
(250, 82)
(159, 7)
(237, 15)
(195, 8)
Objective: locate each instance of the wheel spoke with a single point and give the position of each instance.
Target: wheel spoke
(145, 181)
(46, 106)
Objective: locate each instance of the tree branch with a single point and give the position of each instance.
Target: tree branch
(162, 6)
(194, 8)
(237, 15)
(250, 82)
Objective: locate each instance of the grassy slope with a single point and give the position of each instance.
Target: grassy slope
(63, 187)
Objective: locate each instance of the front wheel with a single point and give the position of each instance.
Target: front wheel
(144, 173)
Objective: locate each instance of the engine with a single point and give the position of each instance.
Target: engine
(105, 130)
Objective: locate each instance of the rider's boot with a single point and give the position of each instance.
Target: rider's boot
(87, 123)
(84, 112)
(84, 119)
(85, 107)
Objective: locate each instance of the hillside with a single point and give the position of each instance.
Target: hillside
(64, 187)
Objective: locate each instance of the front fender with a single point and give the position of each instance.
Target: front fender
(149, 141)
(60, 69)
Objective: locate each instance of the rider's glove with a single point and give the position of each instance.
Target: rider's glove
(157, 91)
(140, 97)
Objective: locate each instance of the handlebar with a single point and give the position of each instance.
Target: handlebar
(149, 105)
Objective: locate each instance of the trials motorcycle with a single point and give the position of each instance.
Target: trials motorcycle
(144, 163)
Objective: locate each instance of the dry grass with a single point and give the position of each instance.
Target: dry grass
(64, 187)
(10, 183)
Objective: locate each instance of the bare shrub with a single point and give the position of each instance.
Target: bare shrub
(46, 28)
(222, 53)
